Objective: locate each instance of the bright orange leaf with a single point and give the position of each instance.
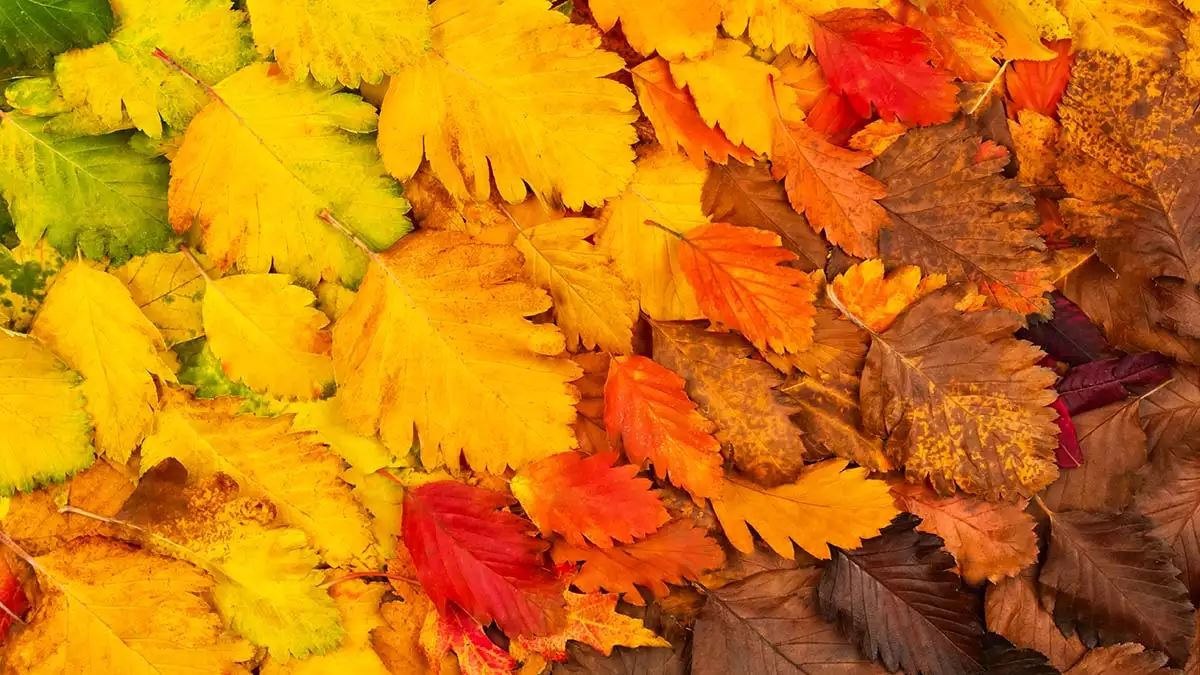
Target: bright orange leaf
(592, 619)
(458, 632)
(865, 292)
(1039, 85)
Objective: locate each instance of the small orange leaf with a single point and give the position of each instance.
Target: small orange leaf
(456, 631)
(592, 619)
(875, 299)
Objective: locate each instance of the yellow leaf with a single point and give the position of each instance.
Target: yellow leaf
(383, 498)
(398, 641)
(26, 273)
(1023, 24)
(437, 339)
(673, 28)
(876, 299)
(877, 137)
(592, 304)
(92, 323)
(333, 299)
(300, 476)
(1036, 142)
(267, 334)
(327, 420)
(340, 40)
(666, 190)
(264, 159)
(34, 519)
(45, 435)
(111, 609)
(777, 24)
(358, 603)
(512, 85)
(732, 89)
(828, 505)
(1135, 29)
(592, 619)
(168, 289)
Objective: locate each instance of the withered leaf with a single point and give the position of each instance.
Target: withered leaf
(583, 660)
(897, 596)
(1012, 610)
(1001, 657)
(1126, 658)
(1172, 504)
(1113, 448)
(1108, 579)
(1171, 415)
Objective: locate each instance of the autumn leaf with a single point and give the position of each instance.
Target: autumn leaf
(1093, 385)
(1013, 610)
(371, 40)
(168, 289)
(961, 47)
(358, 604)
(673, 28)
(589, 411)
(397, 642)
(475, 651)
(779, 23)
(551, 118)
(483, 560)
(732, 90)
(1127, 657)
(13, 597)
(26, 273)
(1171, 415)
(327, 420)
(1039, 85)
(36, 522)
(646, 407)
(1068, 335)
(1024, 25)
(1172, 502)
(876, 298)
(34, 31)
(1113, 446)
(1138, 30)
(419, 311)
(592, 619)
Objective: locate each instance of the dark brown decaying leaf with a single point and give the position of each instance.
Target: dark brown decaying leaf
(1114, 449)
(1003, 658)
(1012, 610)
(1171, 415)
(583, 660)
(1172, 503)
(897, 596)
(1127, 659)
(1106, 577)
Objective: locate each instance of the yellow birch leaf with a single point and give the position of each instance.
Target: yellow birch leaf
(358, 603)
(267, 334)
(674, 28)
(91, 322)
(168, 289)
(778, 24)
(340, 40)
(666, 189)
(514, 86)
(111, 609)
(437, 342)
(261, 163)
(1135, 29)
(828, 505)
(733, 89)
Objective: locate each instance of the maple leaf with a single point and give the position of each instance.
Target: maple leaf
(733, 90)
(267, 334)
(483, 560)
(923, 388)
(1107, 578)
(455, 630)
(951, 212)
(1171, 415)
(46, 433)
(677, 552)
(779, 23)
(1039, 85)
(877, 299)
(827, 505)
(897, 598)
(673, 28)
(1012, 610)
(677, 122)
(442, 318)
(666, 190)
(592, 619)
(988, 541)
(358, 604)
(48, 180)
(297, 474)
(270, 219)
(587, 497)
(547, 115)
(168, 289)
(119, 369)
(370, 40)
(34, 31)
(740, 285)
(105, 604)
(646, 407)
(1113, 446)
(770, 621)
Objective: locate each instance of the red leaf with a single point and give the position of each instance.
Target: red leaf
(1069, 336)
(486, 561)
(833, 116)
(1039, 85)
(12, 596)
(477, 654)
(1094, 385)
(1067, 455)
(587, 497)
(874, 59)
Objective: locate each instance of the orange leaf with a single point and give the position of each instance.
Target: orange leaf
(677, 552)
(824, 182)
(677, 122)
(592, 619)
(740, 285)
(877, 300)
(965, 49)
(587, 497)
(455, 630)
(645, 405)
(589, 412)
(1039, 85)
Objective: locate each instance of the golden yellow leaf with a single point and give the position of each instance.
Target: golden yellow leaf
(398, 641)
(327, 420)
(383, 498)
(437, 339)
(1035, 141)
(111, 609)
(511, 86)
(877, 136)
(267, 334)
(876, 299)
(732, 89)
(168, 288)
(264, 159)
(666, 190)
(674, 28)
(778, 24)
(91, 322)
(1135, 29)
(1023, 24)
(828, 505)
(35, 522)
(358, 603)
(340, 40)
(297, 474)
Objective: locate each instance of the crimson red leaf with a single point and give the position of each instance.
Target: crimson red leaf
(1068, 455)
(833, 116)
(1069, 336)
(1095, 385)
(12, 596)
(486, 561)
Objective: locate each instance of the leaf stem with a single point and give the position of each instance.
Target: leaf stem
(1042, 505)
(326, 216)
(174, 65)
(990, 86)
(370, 575)
(194, 260)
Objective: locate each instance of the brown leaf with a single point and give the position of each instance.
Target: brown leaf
(1127, 658)
(897, 596)
(1113, 448)
(1108, 579)
(770, 623)
(583, 660)
(1173, 506)
(738, 394)
(1171, 415)
(1012, 610)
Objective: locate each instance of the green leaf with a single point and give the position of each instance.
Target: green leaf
(199, 368)
(94, 193)
(31, 31)
(25, 275)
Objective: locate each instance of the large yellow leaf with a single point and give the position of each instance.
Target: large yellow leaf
(437, 339)
(268, 335)
(358, 603)
(733, 89)
(666, 190)
(777, 24)
(512, 85)
(1135, 29)
(340, 40)
(300, 476)
(45, 435)
(673, 28)
(92, 323)
(828, 505)
(259, 165)
(1023, 24)
(111, 609)
(326, 419)
(168, 288)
